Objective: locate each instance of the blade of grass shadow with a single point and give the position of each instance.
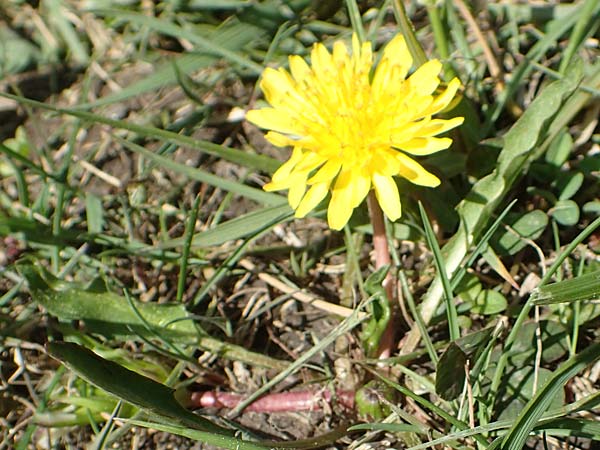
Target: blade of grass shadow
(237, 228)
(229, 263)
(533, 411)
(249, 160)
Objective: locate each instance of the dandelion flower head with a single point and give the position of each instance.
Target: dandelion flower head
(353, 126)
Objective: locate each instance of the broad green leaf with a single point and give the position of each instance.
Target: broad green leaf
(489, 302)
(584, 287)
(592, 207)
(469, 288)
(114, 316)
(565, 212)
(108, 313)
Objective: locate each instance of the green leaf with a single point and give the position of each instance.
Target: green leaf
(108, 313)
(489, 302)
(527, 226)
(469, 288)
(584, 287)
(565, 212)
(560, 149)
(450, 373)
(389, 427)
(592, 207)
(568, 184)
(114, 316)
(94, 213)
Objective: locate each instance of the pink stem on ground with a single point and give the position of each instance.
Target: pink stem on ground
(382, 258)
(272, 403)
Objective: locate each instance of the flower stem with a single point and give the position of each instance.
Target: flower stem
(382, 258)
(271, 403)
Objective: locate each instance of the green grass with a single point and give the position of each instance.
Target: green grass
(131, 208)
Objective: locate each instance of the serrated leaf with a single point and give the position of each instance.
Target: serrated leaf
(108, 313)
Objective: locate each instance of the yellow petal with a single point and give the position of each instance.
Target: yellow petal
(439, 126)
(396, 52)
(444, 99)
(297, 190)
(415, 173)
(425, 79)
(313, 197)
(300, 70)
(339, 211)
(326, 173)
(321, 62)
(424, 145)
(282, 174)
(387, 195)
(272, 119)
(279, 140)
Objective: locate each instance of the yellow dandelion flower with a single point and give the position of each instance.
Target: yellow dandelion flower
(353, 128)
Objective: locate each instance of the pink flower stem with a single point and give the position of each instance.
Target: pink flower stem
(272, 403)
(382, 258)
